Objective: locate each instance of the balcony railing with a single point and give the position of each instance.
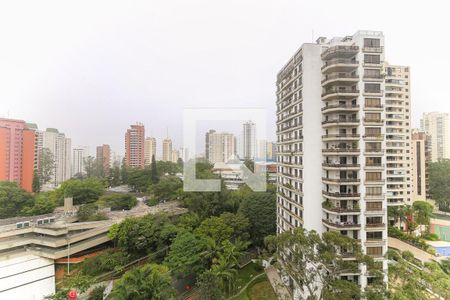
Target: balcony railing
(341, 150)
(340, 61)
(352, 50)
(337, 90)
(341, 195)
(341, 224)
(341, 121)
(372, 49)
(375, 225)
(338, 165)
(340, 76)
(343, 106)
(340, 136)
(348, 179)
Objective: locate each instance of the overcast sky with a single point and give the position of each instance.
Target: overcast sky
(91, 68)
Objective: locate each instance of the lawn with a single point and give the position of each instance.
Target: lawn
(260, 289)
(246, 274)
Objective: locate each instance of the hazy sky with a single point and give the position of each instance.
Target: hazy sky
(91, 68)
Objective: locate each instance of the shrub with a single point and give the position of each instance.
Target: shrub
(88, 212)
(106, 261)
(118, 201)
(97, 293)
(431, 237)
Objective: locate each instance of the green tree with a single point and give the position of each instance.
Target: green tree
(187, 254)
(36, 185)
(209, 286)
(168, 188)
(150, 281)
(139, 179)
(240, 225)
(89, 212)
(439, 180)
(114, 176)
(423, 211)
(215, 229)
(316, 262)
(118, 201)
(13, 199)
(154, 171)
(79, 282)
(46, 168)
(140, 236)
(260, 210)
(82, 190)
(44, 203)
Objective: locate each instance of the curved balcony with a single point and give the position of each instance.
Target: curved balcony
(340, 51)
(339, 64)
(376, 226)
(340, 151)
(341, 210)
(373, 122)
(341, 181)
(340, 92)
(373, 152)
(340, 137)
(340, 196)
(341, 78)
(340, 122)
(340, 225)
(373, 137)
(338, 166)
(340, 108)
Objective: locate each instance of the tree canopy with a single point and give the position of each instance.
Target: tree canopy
(439, 180)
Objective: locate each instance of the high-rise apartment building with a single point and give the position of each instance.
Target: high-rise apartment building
(219, 146)
(149, 150)
(249, 140)
(398, 134)
(61, 150)
(79, 154)
(134, 146)
(167, 149)
(436, 125)
(103, 158)
(17, 152)
(331, 146)
(175, 156)
(420, 158)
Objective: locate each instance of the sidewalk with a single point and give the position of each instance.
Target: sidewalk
(277, 284)
(421, 255)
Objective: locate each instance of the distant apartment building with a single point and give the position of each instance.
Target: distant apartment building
(219, 146)
(249, 146)
(61, 150)
(420, 158)
(266, 150)
(79, 154)
(149, 150)
(331, 145)
(436, 125)
(167, 149)
(398, 133)
(103, 158)
(175, 155)
(134, 146)
(17, 152)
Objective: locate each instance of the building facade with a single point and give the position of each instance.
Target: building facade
(78, 156)
(134, 146)
(167, 149)
(219, 146)
(436, 125)
(249, 140)
(398, 134)
(17, 152)
(149, 149)
(61, 150)
(331, 146)
(420, 158)
(103, 158)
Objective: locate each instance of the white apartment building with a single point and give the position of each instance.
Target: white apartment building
(249, 140)
(60, 147)
(436, 125)
(398, 134)
(167, 150)
(219, 146)
(331, 147)
(149, 150)
(78, 156)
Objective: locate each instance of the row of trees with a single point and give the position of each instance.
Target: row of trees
(439, 179)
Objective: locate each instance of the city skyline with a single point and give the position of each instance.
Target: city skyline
(77, 69)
